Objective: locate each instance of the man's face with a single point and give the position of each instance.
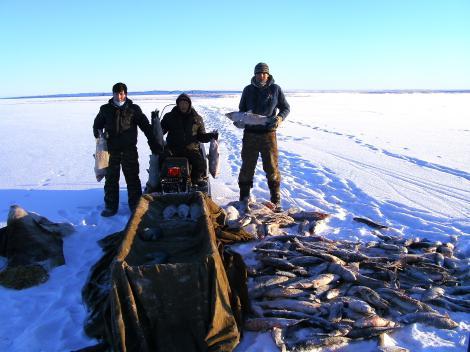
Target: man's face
(183, 105)
(262, 77)
(120, 96)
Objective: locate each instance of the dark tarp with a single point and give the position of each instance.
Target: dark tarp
(180, 291)
(32, 239)
(33, 245)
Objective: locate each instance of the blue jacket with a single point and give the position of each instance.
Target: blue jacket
(264, 101)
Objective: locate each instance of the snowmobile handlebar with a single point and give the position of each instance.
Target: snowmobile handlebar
(156, 113)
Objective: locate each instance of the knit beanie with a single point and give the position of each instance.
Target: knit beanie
(261, 68)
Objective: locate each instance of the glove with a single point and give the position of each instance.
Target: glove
(206, 137)
(156, 148)
(214, 135)
(273, 122)
(97, 133)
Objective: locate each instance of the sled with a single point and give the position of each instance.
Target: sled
(170, 291)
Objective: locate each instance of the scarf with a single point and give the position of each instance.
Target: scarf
(119, 103)
(261, 84)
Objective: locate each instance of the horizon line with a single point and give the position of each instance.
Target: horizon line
(201, 91)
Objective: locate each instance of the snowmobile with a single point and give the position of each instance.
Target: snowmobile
(172, 175)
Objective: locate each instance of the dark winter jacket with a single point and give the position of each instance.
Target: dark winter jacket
(264, 101)
(120, 126)
(185, 130)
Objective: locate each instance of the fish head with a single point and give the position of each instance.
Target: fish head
(235, 116)
(16, 212)
(232, 213)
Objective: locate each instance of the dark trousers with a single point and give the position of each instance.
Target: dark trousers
(129, 159)
(195, 159)
(255, 144)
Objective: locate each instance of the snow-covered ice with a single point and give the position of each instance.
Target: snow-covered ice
(399, 159)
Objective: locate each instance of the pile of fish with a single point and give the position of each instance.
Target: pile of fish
(313, 292)
(261, 219)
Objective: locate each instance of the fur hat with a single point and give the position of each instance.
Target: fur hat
(183, 96)
(261, 68)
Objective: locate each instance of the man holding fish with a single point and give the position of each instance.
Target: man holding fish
(262, 97)
(186, 131)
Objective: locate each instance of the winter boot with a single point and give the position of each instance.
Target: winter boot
(274, 189)
(107, 212)
(245, 197)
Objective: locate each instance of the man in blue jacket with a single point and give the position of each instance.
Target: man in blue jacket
(262, 97)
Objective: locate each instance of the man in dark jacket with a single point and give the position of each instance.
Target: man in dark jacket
(262, 97)
(120, 118)
(185, 132)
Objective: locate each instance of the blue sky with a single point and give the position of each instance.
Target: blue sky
(61, 46)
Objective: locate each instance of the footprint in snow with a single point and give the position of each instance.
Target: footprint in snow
(370, 146)
(46, 182)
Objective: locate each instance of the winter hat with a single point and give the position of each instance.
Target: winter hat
(261, 68)
(183, 96)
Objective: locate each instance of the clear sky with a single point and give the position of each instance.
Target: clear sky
(62, 46)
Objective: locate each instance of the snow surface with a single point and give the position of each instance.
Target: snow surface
(399, 159)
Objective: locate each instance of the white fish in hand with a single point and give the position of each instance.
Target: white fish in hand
(154, 172)
(214, 165)
(157, 127)
(101, 158)
(246, 118)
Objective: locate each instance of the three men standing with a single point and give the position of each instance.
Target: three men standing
(119, 119)
(262, 97)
